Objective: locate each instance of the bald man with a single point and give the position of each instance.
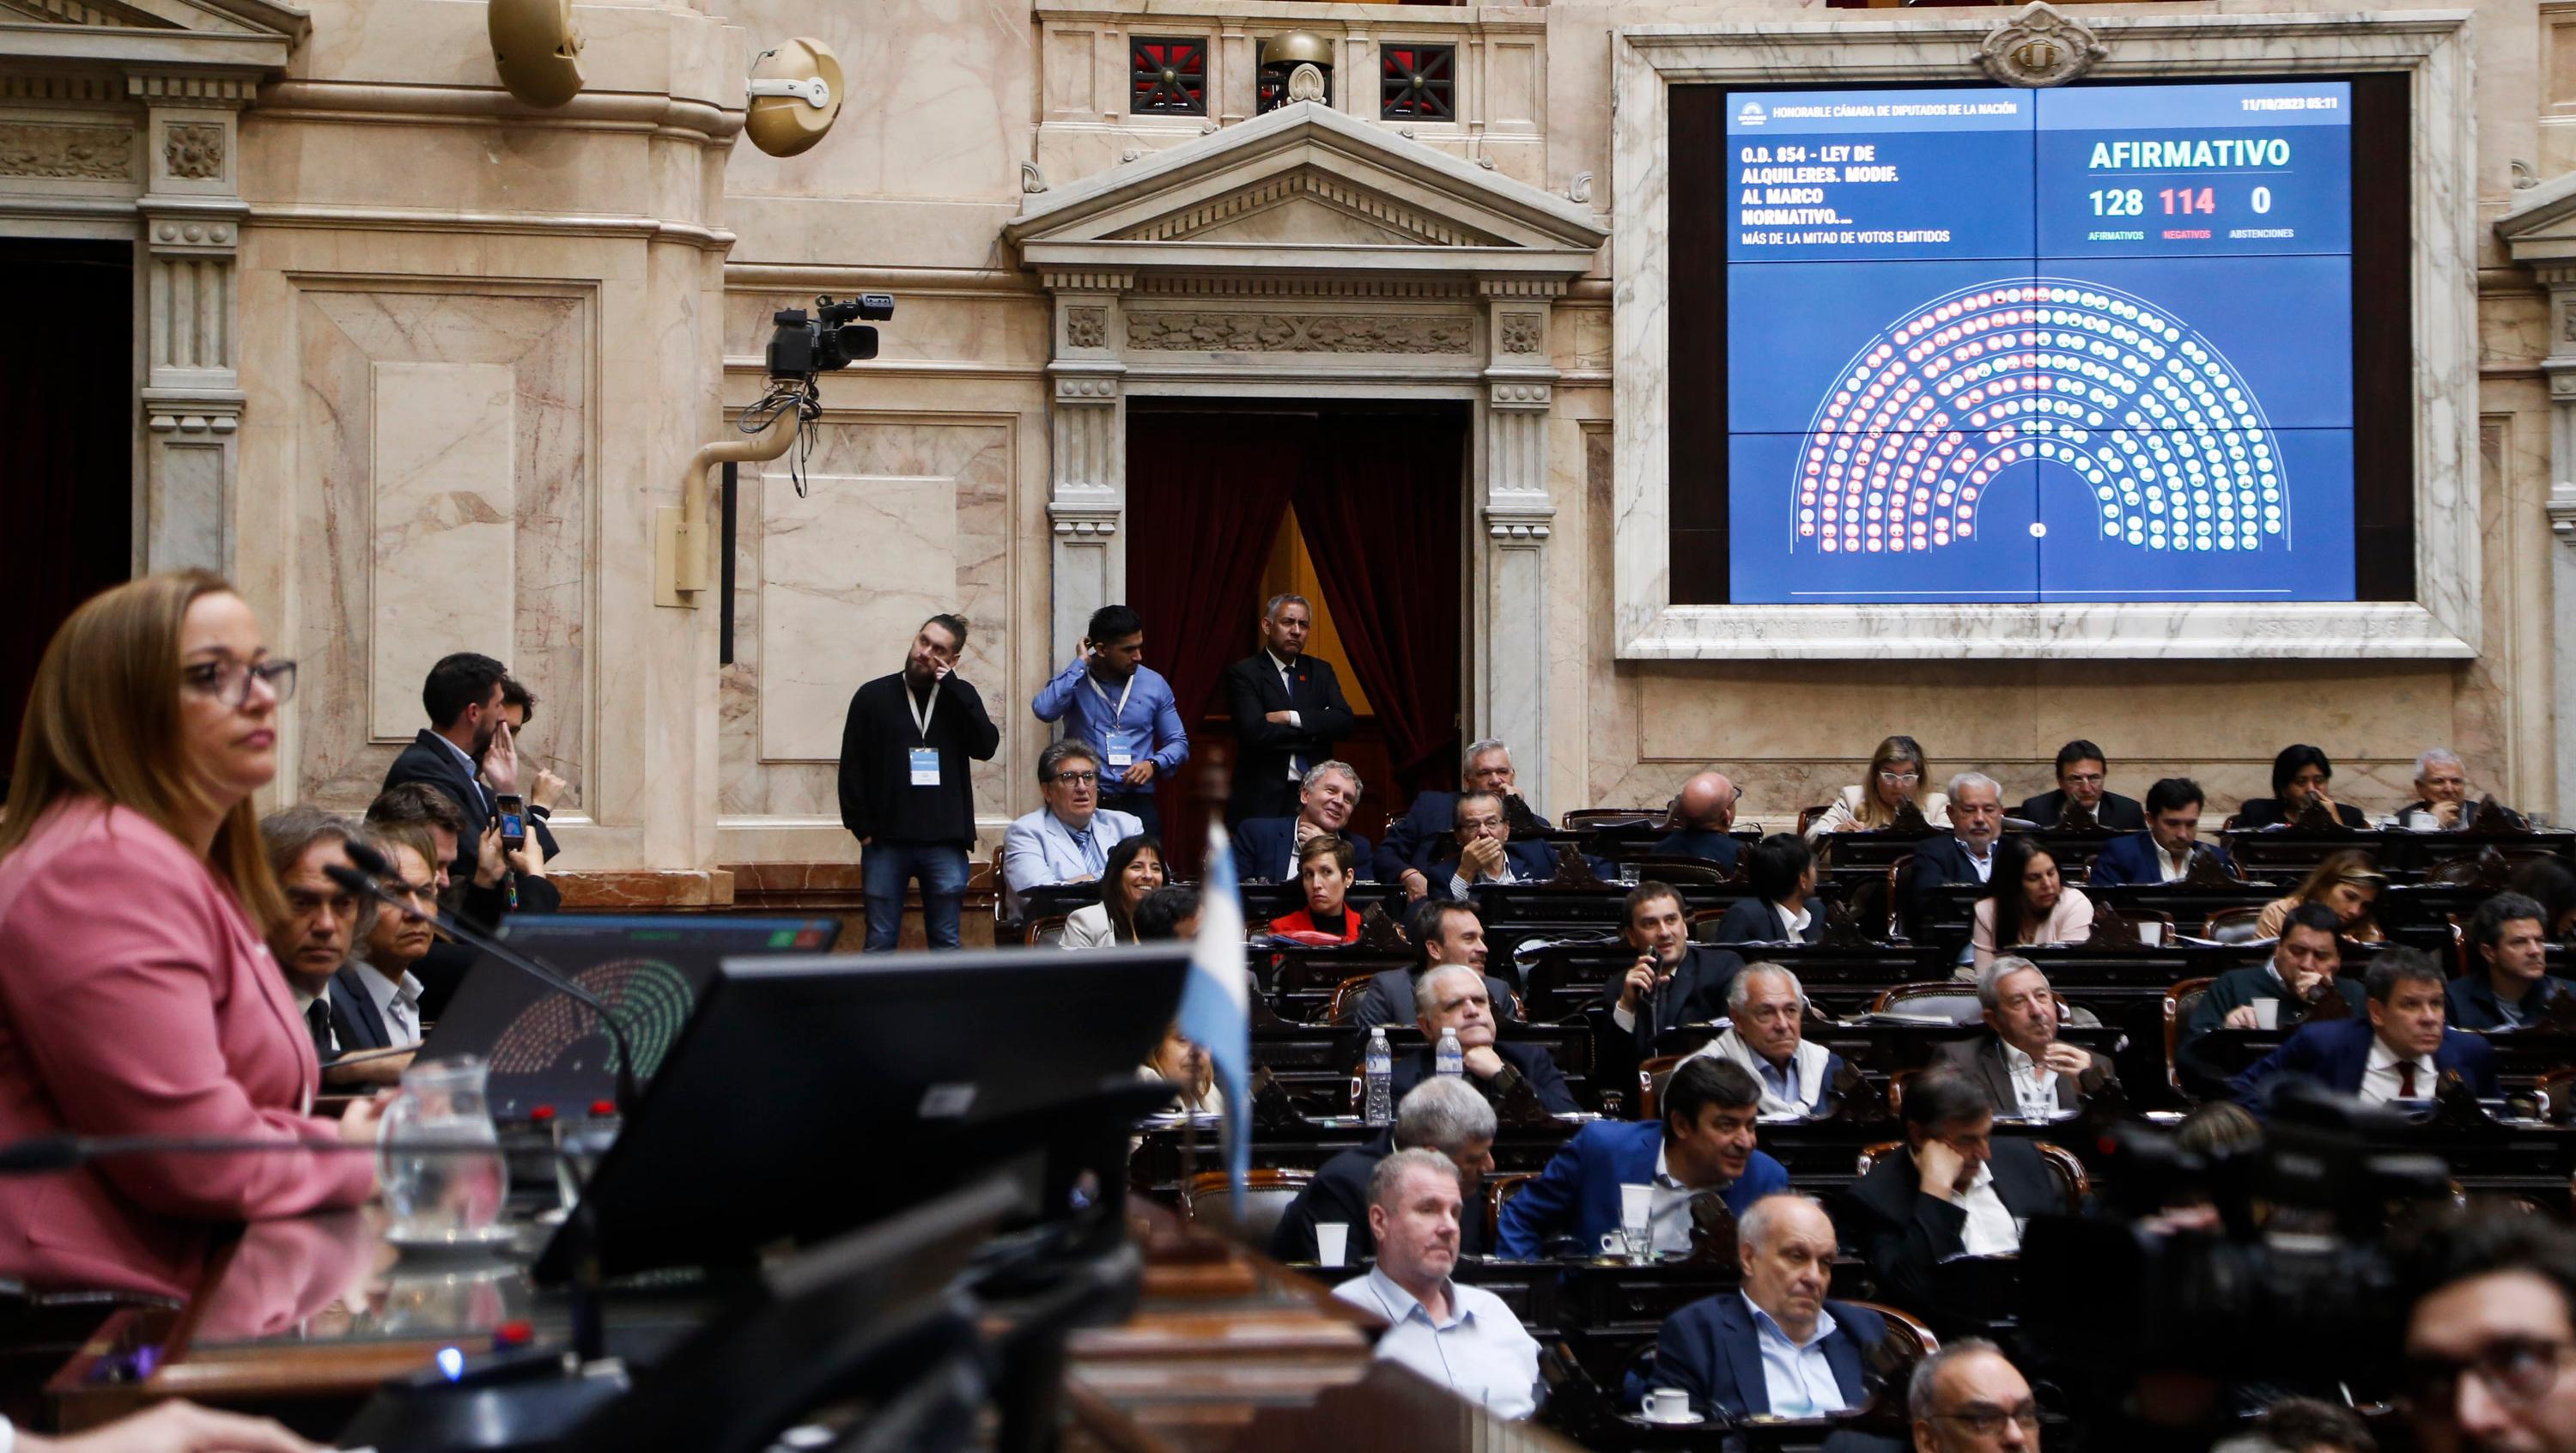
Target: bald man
(1704, 811)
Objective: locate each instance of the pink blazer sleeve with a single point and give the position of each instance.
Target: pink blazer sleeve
(140, 999)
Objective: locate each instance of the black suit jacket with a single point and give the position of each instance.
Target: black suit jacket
(1265, 847)
(1252, 692)
(1750, 920)
(1533, 1061)
(431, 759)
(353, 1012)
(1903, 1234)
(1389, 999)
(1938, 861)
(2268, 812)
(1695, 994)
(2118, 813)
(1983, 1060)
(1710, 1350)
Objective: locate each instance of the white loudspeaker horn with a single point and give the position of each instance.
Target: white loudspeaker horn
(795, 96)
(537, 49)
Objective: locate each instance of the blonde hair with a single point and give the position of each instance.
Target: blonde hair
(1874, 813)
(103, 722)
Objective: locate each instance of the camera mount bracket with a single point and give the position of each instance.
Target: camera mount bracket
(813, 90)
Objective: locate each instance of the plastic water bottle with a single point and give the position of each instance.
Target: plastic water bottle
(1377, 1068)
(1449, 1059)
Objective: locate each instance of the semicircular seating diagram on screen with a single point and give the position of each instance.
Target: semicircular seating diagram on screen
(2115, 392)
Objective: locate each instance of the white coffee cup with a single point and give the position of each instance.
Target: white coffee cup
(2151, 933)
(1668, 1405)
(2267, 1013)
(2419, 821)
(1332, 1242)
(1636, 1206)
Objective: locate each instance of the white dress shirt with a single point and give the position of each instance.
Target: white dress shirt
(1668, 1208)
(2380, 1082)
(1481, 1352)
(398, 1003)
(2034, 1084)
(2171, 865)
(1983, 867)
(1990, 1230)
(304, 1009)
(1795, 1374)
(1459, 881)
(1796, 922)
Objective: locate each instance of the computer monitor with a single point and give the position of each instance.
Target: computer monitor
(545, 1048)
(808, 1096)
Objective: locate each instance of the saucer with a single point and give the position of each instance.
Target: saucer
(455, 1243)
(1686, 1420)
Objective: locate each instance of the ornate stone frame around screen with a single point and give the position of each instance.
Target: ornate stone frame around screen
(2431, 47)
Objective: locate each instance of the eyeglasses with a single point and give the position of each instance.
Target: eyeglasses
(2084, 779)
(1987, 1422)
(2514, 1369)
(1900, 779)
(229, 681)
(1077, 779)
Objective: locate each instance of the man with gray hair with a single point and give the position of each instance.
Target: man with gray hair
(1969, 1398)
(1441, 1114)
(1966, 856)
(1421, 837)
(1463, 1338)
(2441, 794)
(1267, 847)
(1455, 997)
(1766, 1011)
(2028, 1073)
(1068, 840)
(1288, 712)
(1774, 1346)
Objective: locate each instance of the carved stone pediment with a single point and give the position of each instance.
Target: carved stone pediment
(2540, 226)
(1305, 187)
(238, 35)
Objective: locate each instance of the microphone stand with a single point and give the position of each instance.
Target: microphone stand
(362, 881)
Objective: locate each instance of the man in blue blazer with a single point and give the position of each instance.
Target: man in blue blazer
(1702, 1146)
(1704, 812)
(1482, 850)
(1068, 840)
(1415, 840)
(1775, 1346)
(2399, 1053)
(1266, 847)
(2164, 852)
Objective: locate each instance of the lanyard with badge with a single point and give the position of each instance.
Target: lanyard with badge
(925, 758)
(1113, 740)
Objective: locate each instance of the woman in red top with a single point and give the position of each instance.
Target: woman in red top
(138, 996)
(1327, 865)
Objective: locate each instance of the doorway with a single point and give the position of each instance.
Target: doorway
(67, 409)
(1357, 505)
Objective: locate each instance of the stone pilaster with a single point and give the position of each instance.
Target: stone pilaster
(1087, 488)
(2560, 366)
(1520, 392)
(191, 213)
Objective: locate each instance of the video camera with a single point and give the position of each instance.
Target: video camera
(802, 347)
(2292, 1283)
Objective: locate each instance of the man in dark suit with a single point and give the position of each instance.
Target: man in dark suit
(1484, 851)
(1442, 931)
(1703, 1146)
(2301, 776)
(1440, 1114)
(2027, 1072)
(518, 708)
(1954, 1190)
(1422, 835)
(1673, 982)
(1288, 712)
(1705, 810)
(1782, 871)
(2303, 970)
(466, 735)
(2509, 982)
(1774, 1346)
(1454, 997)
(2164, 852)
(2080, 778)
(2399, 1053)
(1966, 856)
(1266, 847)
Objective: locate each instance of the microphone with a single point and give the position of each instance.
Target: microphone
(372, 865)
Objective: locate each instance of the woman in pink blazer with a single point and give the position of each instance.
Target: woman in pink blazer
(136, 994)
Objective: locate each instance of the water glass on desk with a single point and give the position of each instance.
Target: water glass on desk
(438, 1155)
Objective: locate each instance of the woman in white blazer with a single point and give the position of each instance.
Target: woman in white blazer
(1134, 869)
(1896, 772)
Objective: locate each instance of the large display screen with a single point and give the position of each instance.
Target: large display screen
(2088, 344)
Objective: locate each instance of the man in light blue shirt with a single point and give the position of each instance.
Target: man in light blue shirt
(1775, 1346)
(1110, 701)
(1460, 1337)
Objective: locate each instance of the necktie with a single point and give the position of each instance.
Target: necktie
(2406, 1079)
(317, 1019)
(1082, 845)
(1288, 688)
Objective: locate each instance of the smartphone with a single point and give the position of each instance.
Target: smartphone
(514, 822)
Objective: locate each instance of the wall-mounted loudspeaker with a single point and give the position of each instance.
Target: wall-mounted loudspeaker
(795, 96)
(538, 50)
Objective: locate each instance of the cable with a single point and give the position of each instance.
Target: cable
(806, 397)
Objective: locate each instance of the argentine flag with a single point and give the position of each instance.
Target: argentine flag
(1216, 1002)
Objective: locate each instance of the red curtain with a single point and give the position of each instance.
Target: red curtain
(1197, 534)
(1382, 527)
